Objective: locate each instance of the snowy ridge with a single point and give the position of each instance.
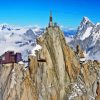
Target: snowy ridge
(85, 28)
(86, 34)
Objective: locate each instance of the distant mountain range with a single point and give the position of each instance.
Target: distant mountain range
(18, 39)
(88, 37)
(69, 33)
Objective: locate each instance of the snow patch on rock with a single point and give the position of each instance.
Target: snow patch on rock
(87, 33)
(36, 48)
(21, 63)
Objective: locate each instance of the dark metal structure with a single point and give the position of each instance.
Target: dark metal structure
(41, 60)
(10, 57)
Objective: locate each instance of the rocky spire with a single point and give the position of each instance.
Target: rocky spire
(79, 51)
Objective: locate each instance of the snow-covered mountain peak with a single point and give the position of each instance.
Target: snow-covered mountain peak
(85, 28)
(86, 19)
(97, 24)
(88, 37)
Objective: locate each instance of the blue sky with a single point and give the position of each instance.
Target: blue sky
(68, 13)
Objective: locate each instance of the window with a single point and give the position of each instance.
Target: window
(3, 58)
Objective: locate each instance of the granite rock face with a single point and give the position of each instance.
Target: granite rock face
(61, 76)
(15, 83)
(59, 69)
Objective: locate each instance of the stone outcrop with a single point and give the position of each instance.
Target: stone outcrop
(60, 69)
(79, 52)
(15, 83)
(62, 76)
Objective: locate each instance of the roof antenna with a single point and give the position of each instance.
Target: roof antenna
(51, 19)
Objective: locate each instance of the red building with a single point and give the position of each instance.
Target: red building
(10, 57)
